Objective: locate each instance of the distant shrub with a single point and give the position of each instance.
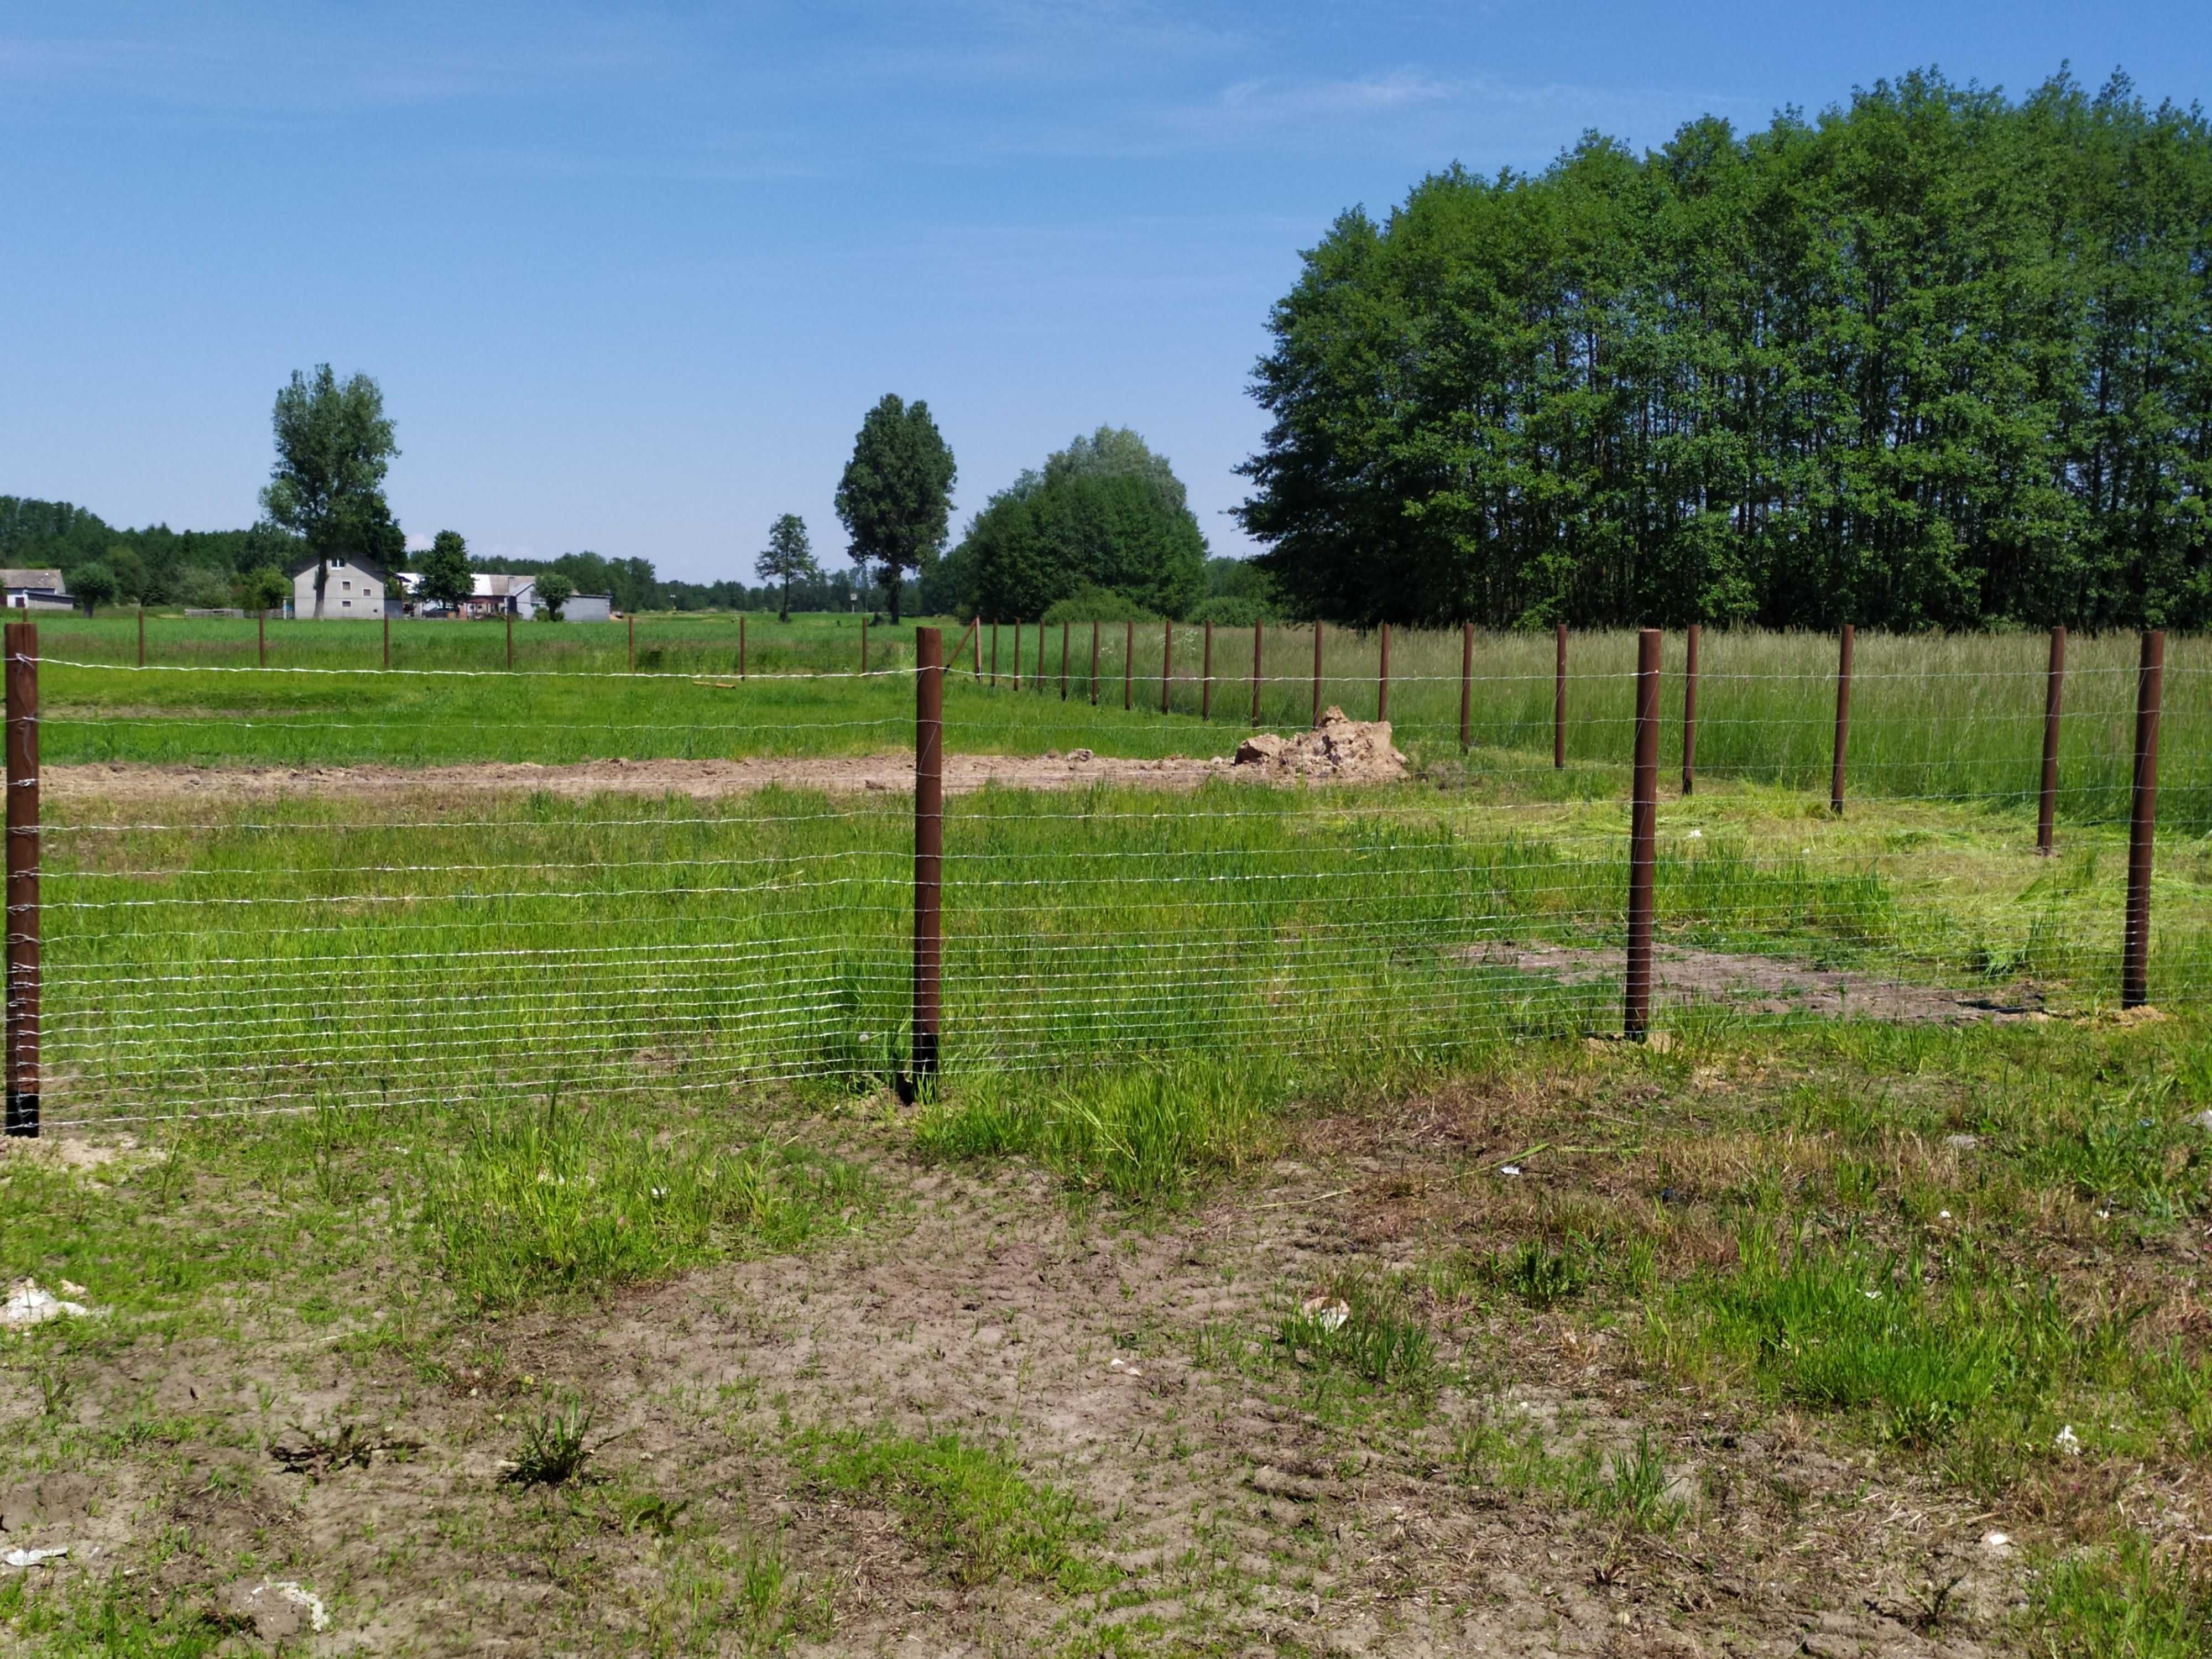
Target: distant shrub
(1095, 603)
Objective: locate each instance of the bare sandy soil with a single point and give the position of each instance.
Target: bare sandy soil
(1248, 1506)
(1685, 977)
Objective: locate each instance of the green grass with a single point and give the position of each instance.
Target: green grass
(2125, 1602)
(970, 1509)
(108, 1617)
(1949, 719)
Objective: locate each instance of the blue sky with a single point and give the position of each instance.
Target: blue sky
(629, 276)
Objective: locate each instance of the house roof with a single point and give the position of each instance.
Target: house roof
(499, 585)
(300, 567)
(40, 581)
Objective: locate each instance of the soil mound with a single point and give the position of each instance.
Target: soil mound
(1341, 749)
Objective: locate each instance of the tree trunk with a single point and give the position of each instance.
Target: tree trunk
(893, 584)
(322, 580)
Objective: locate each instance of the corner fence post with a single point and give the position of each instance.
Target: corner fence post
(1383, 680)
(1842, 719)
(1316, 674)
(2046, 805)
(1167, 660)
(928, 854)
(1643, 838)
(1690, 713)
(1559, 701)
(1094, 662)
(22, 1021)
(1205, 688)
(1466, 683)
(2135, 947)
(1259, 645)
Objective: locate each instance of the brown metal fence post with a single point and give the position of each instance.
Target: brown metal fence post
(1690, 713)
(1466, 683)
(1167, 660)
(1063, 662)
(928, 852)
(1842, 719)
(1094, 662)
(1383, 681)
(2135, 948)
(1129, 667)
(1643, 838)
(1316, 674)
(1559, 701)
(2046, 806)
(1259, 650)
(22, 1011)
(1206, 683)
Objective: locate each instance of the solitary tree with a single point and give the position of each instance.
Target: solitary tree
(554, 589)
(95, 584)
(789, 554)
(447, 577)
(897, 493)
(333, 444)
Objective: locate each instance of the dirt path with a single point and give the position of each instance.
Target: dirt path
(1683, 976)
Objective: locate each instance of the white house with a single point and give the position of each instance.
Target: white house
(355, 589)
(36, 590)
(589, 607)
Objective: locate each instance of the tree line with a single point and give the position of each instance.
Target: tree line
(1933, 359)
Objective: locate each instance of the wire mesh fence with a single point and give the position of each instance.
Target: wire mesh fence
(308, 889)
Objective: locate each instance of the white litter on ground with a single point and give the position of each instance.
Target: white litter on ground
(1329, 1312)
(2067, 1442)
(29, 1305)
(32, 1558)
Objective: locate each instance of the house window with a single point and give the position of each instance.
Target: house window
(347, 585)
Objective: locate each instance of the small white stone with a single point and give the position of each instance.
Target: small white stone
(2067, 1442)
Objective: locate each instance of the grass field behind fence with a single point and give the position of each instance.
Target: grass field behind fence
(1945, 718)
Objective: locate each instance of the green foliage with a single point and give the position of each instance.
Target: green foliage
(969, 1507)
(1140, 1132)
(555, 590)
(1104, 513)
(1091, 603)
(95, 584)
(896, 493)
(2126, 1603)
(540, 1202)
(157, 564)
(334, 443)
(265, 589)
(553, 1448)
(1935, 359)
(789, 554)
(447, 577)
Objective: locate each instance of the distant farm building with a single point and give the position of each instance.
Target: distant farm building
(36, 590)
(589, 607)
(353, 589)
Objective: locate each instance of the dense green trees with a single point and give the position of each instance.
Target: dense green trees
(334, 443)
(1105, 516)
(157, 564)
(1935, 359)
(897, 493)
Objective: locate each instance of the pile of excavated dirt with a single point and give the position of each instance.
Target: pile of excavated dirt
(1341, 749)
